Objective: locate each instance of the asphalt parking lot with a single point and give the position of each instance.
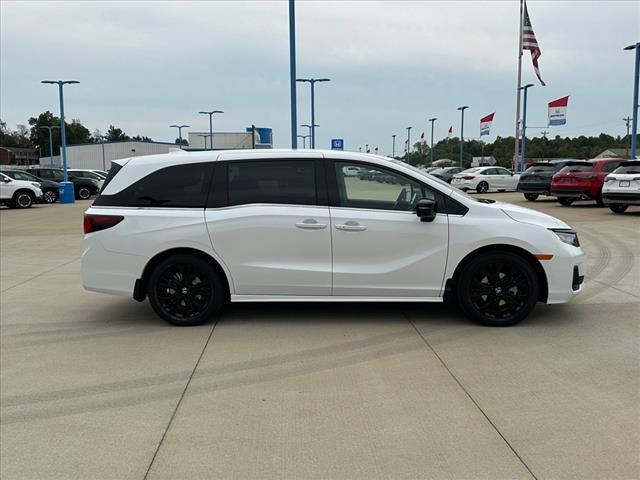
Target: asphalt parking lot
(95, 386)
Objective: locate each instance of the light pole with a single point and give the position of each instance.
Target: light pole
(408, 142)
(304, 140)
(210, 113)
(432, 120)
(50, 128)
(524, 127)
(634, 126)
(312, 82)
(292, 73)
(67, 194)
(310, 132)
(462, 109)
(204, 135)
(179, 127)
(104, 163)
(393, 147)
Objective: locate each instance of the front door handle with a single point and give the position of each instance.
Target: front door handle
(311, 224)
(351, 226)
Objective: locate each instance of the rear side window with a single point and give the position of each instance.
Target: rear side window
(629, 168)
(115, 168)
(582, 167)
(180, 186)
(610, 167)
(283, 181)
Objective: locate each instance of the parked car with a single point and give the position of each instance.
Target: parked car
(50, 191)
(622, 187)
(536, 179)
(18, 193)
(483, 179)
(82, 187)
(81, 173)
(102, 173)
(582, 180)
(446, 174)
(192, 231)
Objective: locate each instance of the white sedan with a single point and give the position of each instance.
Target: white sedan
(483, 179)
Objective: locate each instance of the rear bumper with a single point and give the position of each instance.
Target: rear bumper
(572, 193)
(538, 188)
(610, 198)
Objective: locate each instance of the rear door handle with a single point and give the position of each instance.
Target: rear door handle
(311, 224)
(351, 226)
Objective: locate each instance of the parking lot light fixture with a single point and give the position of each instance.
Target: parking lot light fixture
(180, 127)
(211, 114)
(432, 120)
(63, 138)
(50, 128)
(462, 109)
(636, 79)
(312, 82)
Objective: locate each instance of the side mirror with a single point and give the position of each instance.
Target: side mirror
(6, 180)
(426, 210)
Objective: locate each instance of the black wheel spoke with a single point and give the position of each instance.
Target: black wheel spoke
(183, 290)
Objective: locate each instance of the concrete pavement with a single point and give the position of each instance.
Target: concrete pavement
(94, 386)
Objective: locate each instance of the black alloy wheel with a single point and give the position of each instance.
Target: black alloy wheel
(23, 199)
(566, 201)
(532, 197)
(498, 289)
(185, 290)
(84, 193)
(50, 196)
(618, 208)
(483, 187)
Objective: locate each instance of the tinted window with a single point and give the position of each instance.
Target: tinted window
(503, 171)
(610, 167)
(381, 190)
(581, 167)
(180, 186)
(290, 182)
(21, 176)
(115, 168)
(629, 169)
(540, 168)
(50, 175)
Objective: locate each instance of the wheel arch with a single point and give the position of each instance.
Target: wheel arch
(142, 283)
(521, 252)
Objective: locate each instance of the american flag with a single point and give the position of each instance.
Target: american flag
(529, 42)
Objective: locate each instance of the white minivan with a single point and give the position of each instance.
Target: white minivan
(191, 231)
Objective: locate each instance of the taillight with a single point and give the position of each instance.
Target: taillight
(469, 177)
(94, 223)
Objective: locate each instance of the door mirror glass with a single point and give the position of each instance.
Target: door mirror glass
(426, 210)
(6, 180)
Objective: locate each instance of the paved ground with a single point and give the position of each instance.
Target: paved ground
(94, 386)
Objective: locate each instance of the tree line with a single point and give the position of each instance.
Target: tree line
(34, 136)
(501, 148)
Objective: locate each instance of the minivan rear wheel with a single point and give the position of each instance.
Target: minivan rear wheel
(498, 289)
(185, 290)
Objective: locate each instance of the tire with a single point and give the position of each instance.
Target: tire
(169, 294)
(50, 196)
(494, 300)
(618, 208)
(532, 197)
(599, 200)
(483, 187)
(566, 201)
(23, 199)
(83, 193)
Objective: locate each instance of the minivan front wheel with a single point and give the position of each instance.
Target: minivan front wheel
(498, 289)
(185, 290)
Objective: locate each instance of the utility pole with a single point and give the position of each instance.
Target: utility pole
(628, 123)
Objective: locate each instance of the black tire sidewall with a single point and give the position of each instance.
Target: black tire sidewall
(86, 189)
(532, 197)
(50, 192)
(464, 287)
(565, 201)
(480, 188)
(16, 201)
(618, 208)
(215, 303)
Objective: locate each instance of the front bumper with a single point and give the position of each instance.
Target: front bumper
(565, 274)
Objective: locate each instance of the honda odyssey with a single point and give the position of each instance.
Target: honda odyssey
(191, 231)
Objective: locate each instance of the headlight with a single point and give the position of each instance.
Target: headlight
(568, 236)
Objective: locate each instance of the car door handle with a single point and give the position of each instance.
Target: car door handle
(311, 224)
(351, 226)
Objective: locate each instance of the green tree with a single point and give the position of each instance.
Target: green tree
(14, 138)
(116, 135)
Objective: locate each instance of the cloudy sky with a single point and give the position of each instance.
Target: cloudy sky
(145, 65)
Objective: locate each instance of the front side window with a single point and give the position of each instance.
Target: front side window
(180, 186)
(290, 182)
(381, 189)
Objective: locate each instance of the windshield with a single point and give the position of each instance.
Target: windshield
(21, 176)
(577, 167)
(629, 169)
(540, 168)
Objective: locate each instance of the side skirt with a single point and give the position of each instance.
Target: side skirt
(329, 298)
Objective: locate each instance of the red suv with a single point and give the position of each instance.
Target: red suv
(581, 180)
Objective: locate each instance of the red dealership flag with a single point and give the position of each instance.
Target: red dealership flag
(530, 43)
(450, 131)
(422, 137)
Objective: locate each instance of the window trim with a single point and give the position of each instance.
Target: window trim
(334, 194)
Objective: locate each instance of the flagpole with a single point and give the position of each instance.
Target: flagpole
(517, 136)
